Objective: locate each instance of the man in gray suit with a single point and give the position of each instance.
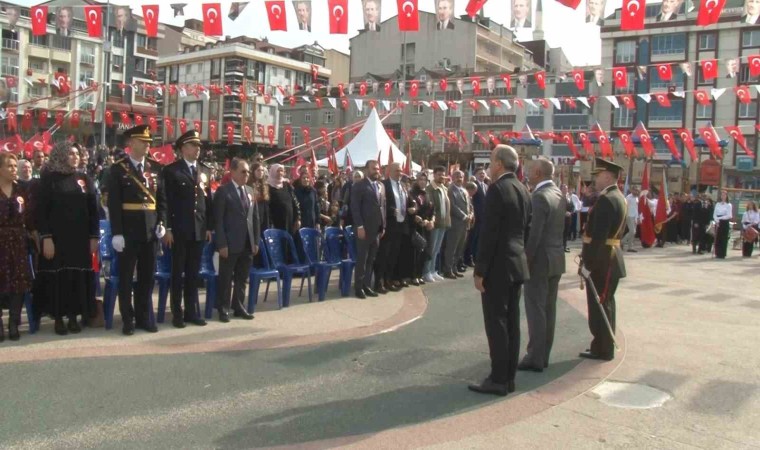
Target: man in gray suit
(237, 238)
(546, 262)
(461, 215)
(368, 213)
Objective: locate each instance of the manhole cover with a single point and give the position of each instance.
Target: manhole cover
(630, 395)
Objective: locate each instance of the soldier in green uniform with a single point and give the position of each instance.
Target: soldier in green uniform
(137, 207)
(603, 257)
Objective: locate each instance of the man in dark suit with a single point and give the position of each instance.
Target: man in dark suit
(478, 209)
(137, 207)
(367, 212)
(501, 268)
(461, 213)
(238, 232)
(398, 205)
(189, 224)
(603, 257)
(546, 260)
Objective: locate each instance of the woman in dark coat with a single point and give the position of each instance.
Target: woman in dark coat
(258, 181)
(15, 269)
(66, 216)
(284, 212)
(307, 201)
(422, 224)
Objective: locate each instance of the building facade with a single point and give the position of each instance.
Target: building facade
(682, 44)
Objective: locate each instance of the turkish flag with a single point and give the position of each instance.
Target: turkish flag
(109, 118)
(544, 103)
(344, 103)
(688, 142)
(628, 147)
(541, 79)
(248, 133)
(414, 88)
(338, 16)
(153, 124)
(42, 118)
(408, 15)
(12, 121)
(604, 141)
(387, 88)
(198, 126)
(670, 141)
(645, 139)
(288, 132)
(138, 119)
(580, 82)
(74, 119)
(570, 3)
(339, 135)
(703, 98)
(150, 15)
(507, 82)
(94, 17)
(665, 72)
(567, 139)
(709, 69)
(632, 15)
(182, 126)
(26, 121)
(711, 137)
(753, 61)
(38, 16)
(212, 19)
(363, 89)
(663, 100)
(742, 92)
(620, 75)
(164, 154)
(586, 143)
(59, 118)
(475, 83)
(473, 6)
(12, 144)
(443, 84)
(62, 82)
(306, 135)
(169, 126)
(270, 134)
(276, 13)
(318, 101)
(628, 101)
(230, 133)
(709, 12)
(125, 119)
(213, 130)
(737, 135)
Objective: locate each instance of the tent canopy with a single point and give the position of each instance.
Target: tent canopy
(371, 140)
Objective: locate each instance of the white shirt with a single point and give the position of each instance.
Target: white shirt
(633, 205)
(751, 19)
(723, 211)
(519, 23)
(750, 218)
(443, 24)
(191, 166)
(135, 162)
(577, 205)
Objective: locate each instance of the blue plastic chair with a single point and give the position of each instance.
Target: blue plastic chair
(277, 241)
(311, 241)
(163, 278)
(350, 236)
(110, 266)
(334, 240)
(208, 273)
(259, 274)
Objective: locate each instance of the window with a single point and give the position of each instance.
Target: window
(9, 65)
(659, 113)
(533, 110)
(705, 111)
(288, 74)
(419, 109)
(274, 71)
(117, 39)
(215, 67)
(142, 40)
(192, 110)
(86, 76)
(625, 52)
(656, 84)
(38, 65)
(173, 74)
(328, 117)
(38, 40)
(623, 118)
(751, 38)
(630, 84)
(117, 61)
(668, 44)
(39, 91)
(454, 112)
(745, 77)
(287, 118)
(748, 110)
(307, 117)
(140, 65)
(707, 41)
(61, 42)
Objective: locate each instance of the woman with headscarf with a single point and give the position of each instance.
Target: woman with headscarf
(66, 217)
(284, 212)
(15, 270)
(308, 201)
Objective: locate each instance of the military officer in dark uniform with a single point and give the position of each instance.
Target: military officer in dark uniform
(188, 225)
(603, 257)
(137, 206)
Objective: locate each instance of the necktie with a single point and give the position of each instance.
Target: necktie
(402, 197)
(243, 199)
(192, 172)
(140, 168)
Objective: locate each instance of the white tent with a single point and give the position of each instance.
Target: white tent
(365, 146)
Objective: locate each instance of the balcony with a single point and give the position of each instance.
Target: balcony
(10, 44)
(147, 51)
(60, 55)
(7, 70)
(452, 122)
(509, 118)
(38, 51)
(88, 60)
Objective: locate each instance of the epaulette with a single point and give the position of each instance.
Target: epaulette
(149, 159)
(206, 165)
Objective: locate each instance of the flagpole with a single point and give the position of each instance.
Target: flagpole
(106, 82)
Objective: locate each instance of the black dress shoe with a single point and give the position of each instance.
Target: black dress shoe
(449, 276)
(178, 322)
(462, 269)
(224, 317)
(243, 315)
(393, 288)
(489, 387)
(529, 368)
(458, 275)
(421, 281)
(369, 292)
(128, 329)
(13, 333)
(150, 328)
(74, 327)
(199, 322)
(415, 282)
(60, 328)
(589, 355)
(567, 250)
(379, 289)
(404, 284)
(359, 293)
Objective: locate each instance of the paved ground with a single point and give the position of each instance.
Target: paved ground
(366, 374)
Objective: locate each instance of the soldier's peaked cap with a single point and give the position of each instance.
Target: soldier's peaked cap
(191, 137)
(140, 132)
(602, 165)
